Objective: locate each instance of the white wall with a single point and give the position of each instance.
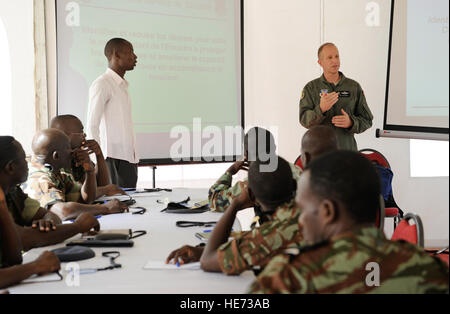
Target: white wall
(17, 17)
(5, 82)
(282, 38)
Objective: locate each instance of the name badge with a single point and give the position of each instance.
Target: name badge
(344, 94)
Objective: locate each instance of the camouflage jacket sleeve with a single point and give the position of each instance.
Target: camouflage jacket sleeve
(221, 194)
(22, 208)
(275, 278)
(258, 246)
(362, 117)
(41, 187)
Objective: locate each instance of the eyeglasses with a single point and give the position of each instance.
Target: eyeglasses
(112, 260)
(187, 224)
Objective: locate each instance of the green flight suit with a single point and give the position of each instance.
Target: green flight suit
(351, 99)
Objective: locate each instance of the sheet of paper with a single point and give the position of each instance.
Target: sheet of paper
(158, 265)
(137, 195)
(46, 278)
(121, 198)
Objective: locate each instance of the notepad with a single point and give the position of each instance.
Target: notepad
(158, 265)
(46, 278)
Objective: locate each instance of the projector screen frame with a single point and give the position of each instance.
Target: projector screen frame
(403, 131)
(160, 161)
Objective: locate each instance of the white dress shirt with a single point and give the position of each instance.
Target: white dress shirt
(110, 121)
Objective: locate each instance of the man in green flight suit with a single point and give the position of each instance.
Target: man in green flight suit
(335, 100)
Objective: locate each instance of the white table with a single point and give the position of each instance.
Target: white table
(162, 238)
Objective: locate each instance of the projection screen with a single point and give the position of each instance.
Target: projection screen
(189, 76)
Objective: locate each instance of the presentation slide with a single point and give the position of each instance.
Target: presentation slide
(419, 68)
(188, 75)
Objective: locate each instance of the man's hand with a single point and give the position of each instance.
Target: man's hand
(81, 158)
(243, 201)
(93, 148)
(343, 121)
(186, 254)
(86, 222)
(47, 263)
(116, 207)
(238, 165)
(328, 101)
(111, 190)
(44, 225)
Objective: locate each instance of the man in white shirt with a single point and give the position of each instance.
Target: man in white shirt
(110, 120)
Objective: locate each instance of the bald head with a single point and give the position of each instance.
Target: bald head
(72, 127)
(49, 141)
(318, 141)
(68, 124)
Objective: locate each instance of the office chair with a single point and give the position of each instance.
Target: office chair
(411, 233)
(392, 210)
(298, 162)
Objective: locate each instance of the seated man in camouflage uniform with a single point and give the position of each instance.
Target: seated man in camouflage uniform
(73, 128)
(223, 192)
(242, 253)
(274, 192)
(11, 270)
(23, 212)
(339, 198)
(52, 184)
(14, 171)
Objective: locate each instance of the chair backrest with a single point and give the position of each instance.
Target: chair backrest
(381, 215)
(375, 156)
(410, 233)
(298, 162)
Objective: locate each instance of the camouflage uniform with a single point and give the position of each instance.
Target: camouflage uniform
(50, 188)
(339, 266)
(22, 208)
(221, 194)
(258, 246)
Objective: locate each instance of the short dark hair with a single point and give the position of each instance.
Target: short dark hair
(114, 45)
(254, 146)
(319, 52)
(350, 178)
(8, 151)
(272, 188)
(319, 140)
